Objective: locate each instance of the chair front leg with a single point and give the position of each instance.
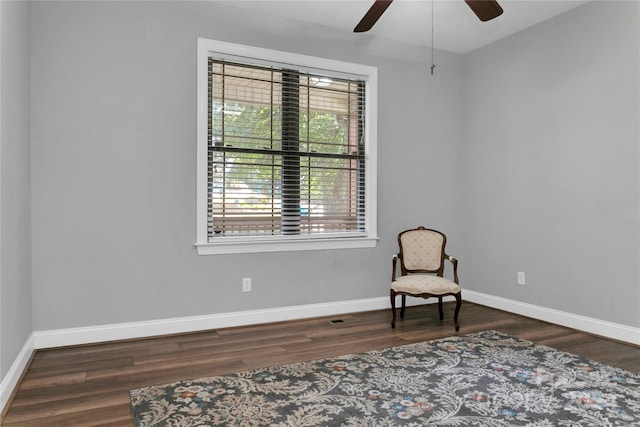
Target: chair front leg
(455, 314)
(404, 305)
(393, 308)
(440, 308)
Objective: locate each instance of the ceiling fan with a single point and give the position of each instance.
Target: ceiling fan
(484, 9)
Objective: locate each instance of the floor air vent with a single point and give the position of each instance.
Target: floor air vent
(344, 320)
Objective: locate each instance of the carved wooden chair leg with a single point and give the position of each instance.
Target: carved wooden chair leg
(393, 308)
(440, 308)
(404, 304)
(455, 314)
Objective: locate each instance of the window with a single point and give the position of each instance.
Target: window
(286, 151)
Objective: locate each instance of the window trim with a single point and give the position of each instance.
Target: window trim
(279, 243)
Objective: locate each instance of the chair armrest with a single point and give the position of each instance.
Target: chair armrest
(394, 260)
(454, 262)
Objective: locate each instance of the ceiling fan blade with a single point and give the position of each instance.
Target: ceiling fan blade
(485, 9)
(372, 16)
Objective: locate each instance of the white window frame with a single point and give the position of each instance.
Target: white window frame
(232, 244)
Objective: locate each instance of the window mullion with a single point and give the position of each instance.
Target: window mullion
(274, 210)
(360, 174)
(290, 221)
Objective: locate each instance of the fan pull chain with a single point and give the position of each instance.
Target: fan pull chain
(433, 65)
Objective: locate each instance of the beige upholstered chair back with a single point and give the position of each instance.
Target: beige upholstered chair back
(422, 249)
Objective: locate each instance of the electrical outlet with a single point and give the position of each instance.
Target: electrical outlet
(520, 277)
(246, 284)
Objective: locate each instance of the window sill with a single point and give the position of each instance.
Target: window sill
(258, 246)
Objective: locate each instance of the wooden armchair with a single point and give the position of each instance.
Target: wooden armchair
(422, 255)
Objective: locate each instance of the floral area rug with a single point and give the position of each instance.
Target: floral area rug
(481, 379)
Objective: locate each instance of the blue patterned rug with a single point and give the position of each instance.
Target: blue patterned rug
(482, 379)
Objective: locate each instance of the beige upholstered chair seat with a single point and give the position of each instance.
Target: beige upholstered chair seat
(424, 284)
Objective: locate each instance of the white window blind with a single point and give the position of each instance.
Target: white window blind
(286, 152)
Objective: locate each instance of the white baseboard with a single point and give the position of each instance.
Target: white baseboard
(122, 331)
(10, 381)
(603, 328)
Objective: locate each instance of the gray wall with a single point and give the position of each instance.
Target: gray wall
(524, 152)
(113, 139)
(551, 164)
(15, 195)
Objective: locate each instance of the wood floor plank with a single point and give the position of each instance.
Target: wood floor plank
(53, 380)
(232, 344)
(89, 385)
(38, 370)
(136, 371)
(44, 411)
(311, 353)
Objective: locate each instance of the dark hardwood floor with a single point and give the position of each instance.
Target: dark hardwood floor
(89, 385)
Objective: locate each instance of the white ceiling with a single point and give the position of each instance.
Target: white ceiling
(456, 28)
